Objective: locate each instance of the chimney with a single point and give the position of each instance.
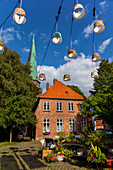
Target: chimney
(47, 86)
(54, 81)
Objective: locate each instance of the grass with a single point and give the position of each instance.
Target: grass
(8, 143)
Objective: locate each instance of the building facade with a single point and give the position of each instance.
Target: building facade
(57, 110)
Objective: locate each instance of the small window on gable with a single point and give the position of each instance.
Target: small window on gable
(46, 106)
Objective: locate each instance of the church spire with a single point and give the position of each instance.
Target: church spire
(32, 60)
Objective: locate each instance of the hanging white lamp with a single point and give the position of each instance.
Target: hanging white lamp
(57, 38)
(96, 57)
(99, 26)
(66, 77)
(94, 74)
(78, 11)
(42, 77)
(19, 16)
(1, 46)
(72, 53)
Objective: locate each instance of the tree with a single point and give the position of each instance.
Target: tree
(100, 102)
(76, 89)
(17, 91)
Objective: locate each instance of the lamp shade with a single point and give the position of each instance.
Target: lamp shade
(1, 46)
(57, 38)
(99, 26)
(19, 16)
(78, 11)
(42, 77)
(94, 74)
(96, 57)
(72, 53)
(67, 77)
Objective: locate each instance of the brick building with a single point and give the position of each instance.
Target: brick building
(57, 110)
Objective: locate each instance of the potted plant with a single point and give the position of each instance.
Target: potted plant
(96, 156)
(46, 132)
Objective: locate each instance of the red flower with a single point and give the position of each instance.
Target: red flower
(109, 163)
(52, 159)
(59, 147)
(39, 154)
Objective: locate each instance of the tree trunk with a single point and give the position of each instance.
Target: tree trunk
(11, 134)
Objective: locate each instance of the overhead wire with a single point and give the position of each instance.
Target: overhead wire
(70, 40)
(57, 17)
(9, 14)
(93, 44)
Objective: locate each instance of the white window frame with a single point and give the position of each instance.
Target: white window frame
(47, 125)
(47, 104)
(72, 124)
(60, 106)
(83, 124)
(59, 127)
(71, 107)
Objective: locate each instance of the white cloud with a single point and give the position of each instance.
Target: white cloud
(56, 53)
(43, 37)
(104, 45)
(8, 34)
(79, 70)
(25, 49)
(66, 58)
(30, 35)
(88, 30)
(110, 59)
(87, 7)
(75, 42)
(18, 35)
(103, 7)
(103, 4)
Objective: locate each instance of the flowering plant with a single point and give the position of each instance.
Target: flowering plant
(46, 132)
(51, 157)
(52, 146)
(95, 155)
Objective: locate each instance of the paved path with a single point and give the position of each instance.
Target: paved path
(23, 156)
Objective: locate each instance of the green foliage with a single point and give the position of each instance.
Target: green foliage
(71, 135)
(17, 91)
(76, 89)
(8, 143)
(68, 153)
(100, 101)
(49, 156)
(95, 155)
(61, 135)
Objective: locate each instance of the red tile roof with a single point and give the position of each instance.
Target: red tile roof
(59, 90)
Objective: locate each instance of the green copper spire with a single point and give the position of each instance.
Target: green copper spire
(32, 60)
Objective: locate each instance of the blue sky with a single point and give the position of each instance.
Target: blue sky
(40, 16)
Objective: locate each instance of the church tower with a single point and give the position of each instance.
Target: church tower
(33, 63)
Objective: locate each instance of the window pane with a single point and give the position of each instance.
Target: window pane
(48, 108)
(60, 106)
